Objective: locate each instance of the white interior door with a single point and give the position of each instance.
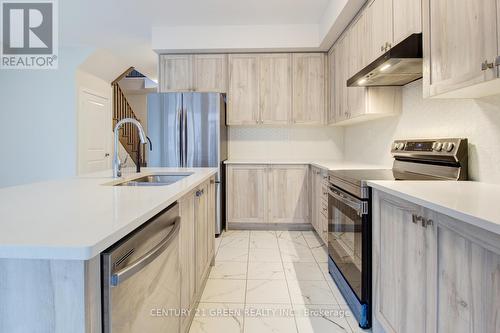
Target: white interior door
(94, 133)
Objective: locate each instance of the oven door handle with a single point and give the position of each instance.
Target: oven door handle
(361, 207)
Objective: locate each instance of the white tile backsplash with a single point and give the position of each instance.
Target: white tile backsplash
(478, 120)
(315, 143)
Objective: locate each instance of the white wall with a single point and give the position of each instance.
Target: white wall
(139, 103)
(38, 120)
(286, 143)
(97, 85)
(477, 120)
(235, 38)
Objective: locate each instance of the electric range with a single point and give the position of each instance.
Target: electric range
(349, 210)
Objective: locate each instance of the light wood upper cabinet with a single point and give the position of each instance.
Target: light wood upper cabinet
(353, 104)
(247, 193)
(210, 72)
(331, 84)
(243, 101)
(407, 16)
(459, 37)
(199, 72)
(340, 98)
(176, 73)
(356, 96)
(308, 88)
(289, 194)
(380, 18)
(275, 75)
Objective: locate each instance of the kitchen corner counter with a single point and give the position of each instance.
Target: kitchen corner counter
(472, 202)
(325, 164)
(78, 218)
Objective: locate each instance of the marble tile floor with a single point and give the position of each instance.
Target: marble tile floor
(271, 281)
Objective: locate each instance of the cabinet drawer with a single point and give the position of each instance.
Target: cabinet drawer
(324, 193)
(324, 209)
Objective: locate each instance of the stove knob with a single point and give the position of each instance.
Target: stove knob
(401, 146)
(448, 146)
(437, 146)
(395, 146)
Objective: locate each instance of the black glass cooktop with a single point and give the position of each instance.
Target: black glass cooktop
(358, 176)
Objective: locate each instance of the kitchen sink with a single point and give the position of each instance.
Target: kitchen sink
(156, 180)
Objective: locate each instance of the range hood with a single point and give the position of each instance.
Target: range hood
(399, 66)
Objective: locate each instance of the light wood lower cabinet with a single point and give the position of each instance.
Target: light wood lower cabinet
(247, 192)
(188, 256)
(401, 262)
(267, 194)
(197, 237)
(201, 232)
(467, 262)
(432, 273)
(289, 194)
(319, 202)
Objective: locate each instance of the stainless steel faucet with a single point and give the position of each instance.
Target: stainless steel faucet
(117, 165)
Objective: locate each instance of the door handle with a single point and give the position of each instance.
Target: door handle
(127, 272)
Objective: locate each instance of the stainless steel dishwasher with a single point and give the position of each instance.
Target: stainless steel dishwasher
(141, 278)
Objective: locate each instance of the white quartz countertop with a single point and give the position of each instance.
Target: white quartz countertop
(472, 202)
(78, 218)
(322, 164)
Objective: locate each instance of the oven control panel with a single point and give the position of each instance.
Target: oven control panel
(436, 146)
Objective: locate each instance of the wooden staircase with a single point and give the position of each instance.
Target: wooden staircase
(129, 137)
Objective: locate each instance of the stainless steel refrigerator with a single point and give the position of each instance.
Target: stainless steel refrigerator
(189, 130)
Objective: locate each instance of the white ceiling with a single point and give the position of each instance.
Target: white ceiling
(97, 19)
(125, 26)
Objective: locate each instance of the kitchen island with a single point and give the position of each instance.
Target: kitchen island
(53, 234)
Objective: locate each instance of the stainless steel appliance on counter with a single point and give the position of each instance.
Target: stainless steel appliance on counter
(141, 277)
(189, 130)
(349, 211)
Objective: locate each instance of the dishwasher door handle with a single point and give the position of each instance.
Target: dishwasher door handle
(126, 272)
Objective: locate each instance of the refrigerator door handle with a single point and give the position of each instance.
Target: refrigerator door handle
(185, 139)
(179, 119)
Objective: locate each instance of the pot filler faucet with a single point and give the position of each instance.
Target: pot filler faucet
(117, 164)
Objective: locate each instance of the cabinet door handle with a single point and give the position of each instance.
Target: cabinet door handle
(487, 65)
(497, 61)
